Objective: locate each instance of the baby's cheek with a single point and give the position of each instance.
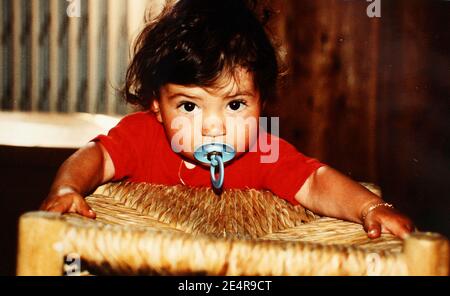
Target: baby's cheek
(243, 138)
(181, 140)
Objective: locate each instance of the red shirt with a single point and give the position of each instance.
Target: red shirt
(141, 152)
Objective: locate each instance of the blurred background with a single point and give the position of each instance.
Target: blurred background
(370, 96)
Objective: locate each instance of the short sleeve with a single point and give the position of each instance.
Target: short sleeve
(125, 142)
(287, 175)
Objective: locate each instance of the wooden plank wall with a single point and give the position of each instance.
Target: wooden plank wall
(370, 96)
(332, 86)
(414, 104)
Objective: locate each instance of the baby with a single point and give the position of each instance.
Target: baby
(202, 72)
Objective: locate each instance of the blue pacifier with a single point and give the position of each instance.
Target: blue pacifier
(215, 154)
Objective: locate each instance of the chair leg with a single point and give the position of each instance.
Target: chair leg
(427, 253)
(40, 245)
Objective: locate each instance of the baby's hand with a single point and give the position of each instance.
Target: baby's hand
(387, 220)
(67, 200)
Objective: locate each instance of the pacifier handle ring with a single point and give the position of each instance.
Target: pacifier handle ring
(217, 183)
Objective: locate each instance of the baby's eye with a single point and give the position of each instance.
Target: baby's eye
(188, 107)
(237, 105)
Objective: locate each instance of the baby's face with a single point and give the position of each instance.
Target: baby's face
(226, 113)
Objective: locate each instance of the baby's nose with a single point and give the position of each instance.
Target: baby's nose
(213, 126)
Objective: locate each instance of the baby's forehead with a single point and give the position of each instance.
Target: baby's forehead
(227, 84)
(238, 81)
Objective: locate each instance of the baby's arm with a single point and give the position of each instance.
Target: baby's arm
(81, 173)
(330, 193)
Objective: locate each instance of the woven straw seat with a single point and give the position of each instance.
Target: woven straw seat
(156, 229)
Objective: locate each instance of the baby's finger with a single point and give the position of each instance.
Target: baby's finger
(47, 204)
(84, 209)
(372, 228)
(399, 229)
(60, 207)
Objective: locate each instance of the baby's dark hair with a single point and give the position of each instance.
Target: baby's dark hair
(193, 42)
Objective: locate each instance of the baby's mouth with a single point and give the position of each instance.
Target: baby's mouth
(215, 154)
(204, 153)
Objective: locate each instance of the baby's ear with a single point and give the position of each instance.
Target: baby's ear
(155, 108)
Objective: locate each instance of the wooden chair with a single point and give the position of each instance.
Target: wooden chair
(178, 230)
